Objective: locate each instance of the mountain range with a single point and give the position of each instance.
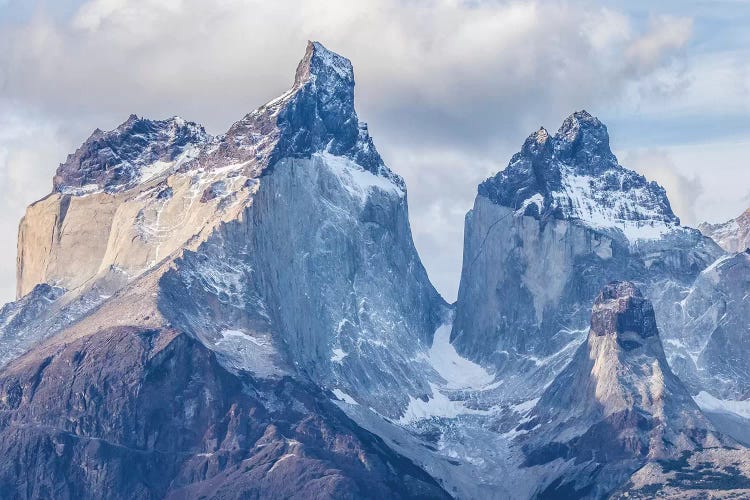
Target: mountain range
(246, 316)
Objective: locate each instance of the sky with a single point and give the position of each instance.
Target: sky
(450, 89)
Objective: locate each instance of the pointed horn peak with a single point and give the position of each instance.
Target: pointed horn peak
(319, 62)
(578, 121)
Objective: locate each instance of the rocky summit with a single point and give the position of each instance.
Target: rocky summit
(246, 316)
(616, 406)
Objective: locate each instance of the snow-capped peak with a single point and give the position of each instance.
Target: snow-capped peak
(733, 236)
(316, 115)
(574, 175)
(117, 159)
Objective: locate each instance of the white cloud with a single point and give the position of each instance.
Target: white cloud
(215, 60)
(28, 150)
(666, 34)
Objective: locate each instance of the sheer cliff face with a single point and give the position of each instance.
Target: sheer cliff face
(712, 332)
(81, 232)
(546, 234)
(130, 197)
(321, 263)
(206, 307)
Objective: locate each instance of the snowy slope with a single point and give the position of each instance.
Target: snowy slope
(574, 175)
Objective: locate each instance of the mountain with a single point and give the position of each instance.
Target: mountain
(711, 340)
(733, 236)
(616, 407)
(321, 261)
(574, 175)
(545, 234)
(198, 301)
(130, 412)
(131, 154)
(246, 316)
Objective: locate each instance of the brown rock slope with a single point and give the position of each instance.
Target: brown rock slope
(149, 413)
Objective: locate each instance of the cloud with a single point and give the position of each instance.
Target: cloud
(27, 150)
(450, 88)
(457, 61)
(666, 34)
(441, 190)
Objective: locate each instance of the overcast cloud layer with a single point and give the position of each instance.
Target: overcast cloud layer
(450, 89)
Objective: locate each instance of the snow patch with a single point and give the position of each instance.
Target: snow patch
(633, 209)
(525, 407)
(536, 199)
(338, 355)
(458, 372)
(80, 191)
(715, 265)
(439, 405)
(242, 350)
(355, 179)
(341, 395)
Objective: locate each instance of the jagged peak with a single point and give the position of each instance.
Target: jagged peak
(536, 143)
(574, 175)
(316, 115)
(138, 124)
(733, 236)
(584, 140)
(541, 135)
(112, 159)
(577, 121)
(319, 61)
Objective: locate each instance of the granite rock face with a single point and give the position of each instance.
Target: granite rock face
(340, 291)
(321, 265)
(713, 325)
(195, 337)
(247, 316)
(574, 175)
(316, 115)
